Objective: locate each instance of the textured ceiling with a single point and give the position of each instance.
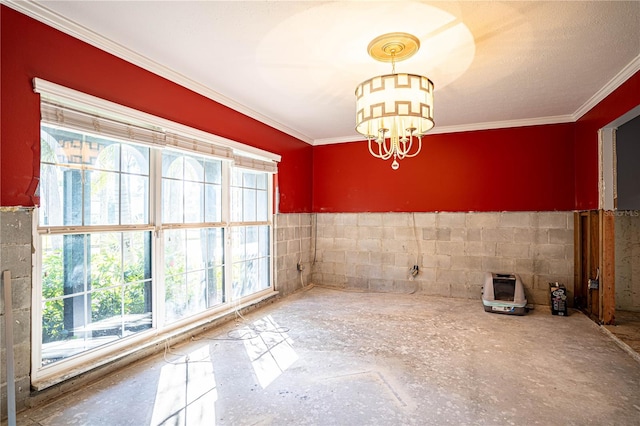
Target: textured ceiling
(295, 65)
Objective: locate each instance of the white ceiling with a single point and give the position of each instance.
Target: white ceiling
(294, 65)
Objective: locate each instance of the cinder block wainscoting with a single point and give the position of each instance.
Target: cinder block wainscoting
(15, 256)
(372, 251)
(293, 241)
(375, 251)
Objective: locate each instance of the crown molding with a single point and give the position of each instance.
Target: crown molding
(438, 130)
(331, 141)
(40, 13)
(626, 73)
(493, 125)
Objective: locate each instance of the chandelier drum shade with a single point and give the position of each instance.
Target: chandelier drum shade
(394, 111)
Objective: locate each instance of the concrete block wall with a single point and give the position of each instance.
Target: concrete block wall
(627, 255)
(293, 244)
(372, 251)
(15, 256)
(375, 251)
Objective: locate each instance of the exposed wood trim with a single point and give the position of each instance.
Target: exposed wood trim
(608, 268)
(577, 260)
(593, 264)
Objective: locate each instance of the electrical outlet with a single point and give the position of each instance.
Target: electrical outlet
(414, 270)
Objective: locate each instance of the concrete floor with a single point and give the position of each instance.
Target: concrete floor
(329, 357)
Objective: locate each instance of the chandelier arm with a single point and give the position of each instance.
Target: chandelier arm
(386, 151)
(373, 153)
(407, 147)
(386, 155)
(418, 150)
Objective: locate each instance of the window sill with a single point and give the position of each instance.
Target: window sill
(145, 345)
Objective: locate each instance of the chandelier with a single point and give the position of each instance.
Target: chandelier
(394, 111)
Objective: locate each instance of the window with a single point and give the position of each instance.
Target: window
(194, 245)
(96, 283)
(250, 232)
(96, 288)
(139, 229)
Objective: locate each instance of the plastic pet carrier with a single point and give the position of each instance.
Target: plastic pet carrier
(503, 294)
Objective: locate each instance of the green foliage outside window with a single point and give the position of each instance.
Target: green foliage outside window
(114, 301)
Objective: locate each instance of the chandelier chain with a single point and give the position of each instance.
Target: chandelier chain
(393, 61)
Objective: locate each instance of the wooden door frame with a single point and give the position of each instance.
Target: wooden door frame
(598, 261)
(607, 267)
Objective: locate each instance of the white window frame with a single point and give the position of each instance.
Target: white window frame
(187, 140)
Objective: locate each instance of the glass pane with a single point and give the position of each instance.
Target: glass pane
(134, 209)
(251, 259)
(62, 319)
(250, 284)
(66, 331)
(252, 248)
(193, 202)
(215, 287)
(64, 145)
(106, 261)
(193, 281)
(193, 169)
(196, 295)
(215, 245)
(196, 249)
(249, 180)
(102, 198)
(106, 313)
(236, 204)
(136, 256)
(73, 263)
(236, 177)
(264, 281)
(264, 249)
(52, 267)
(262, 208)
(238, 244)
(137, 307)
(261, 180)
(103, 154)
(172, 165)
(175, 297)
(213, 171)
(249, 205)
(71, 196)
(238, 273)
(212, 205)
(175, 257)
(135, 159)
(172, 201)
(49, 146)
(53, 329)
(51, 200)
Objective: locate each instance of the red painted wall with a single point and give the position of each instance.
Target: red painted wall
(623, 99)
(519, 169)
(530, 168)
(31, 49)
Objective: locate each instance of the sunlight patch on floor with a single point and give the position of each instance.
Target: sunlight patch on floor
(270, 350)
(186, 391)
